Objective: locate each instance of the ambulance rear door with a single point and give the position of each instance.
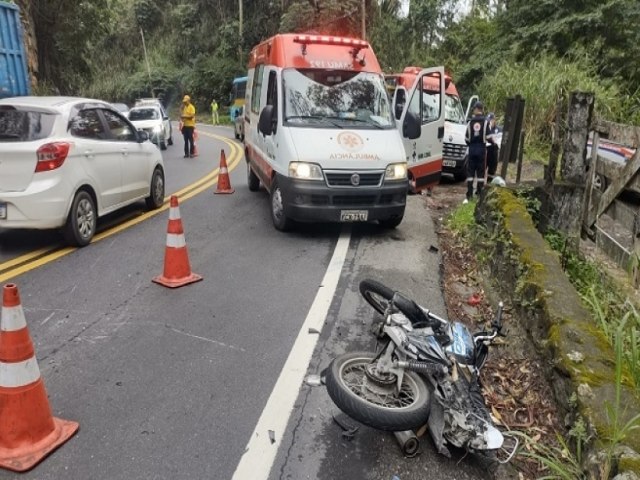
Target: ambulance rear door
(421, 126)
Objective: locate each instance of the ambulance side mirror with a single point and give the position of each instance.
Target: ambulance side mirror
(399, 109)
(411, 127)
(265, 123)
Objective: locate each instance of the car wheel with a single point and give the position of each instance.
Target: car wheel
(600, 182)
(170, 141)
(82, 220)
(280, 219)
(252, 179)
(163, 145)
(156, 190)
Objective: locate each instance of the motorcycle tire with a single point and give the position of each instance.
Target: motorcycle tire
(379, 296)
(346, 383)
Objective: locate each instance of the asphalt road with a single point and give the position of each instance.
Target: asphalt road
(170, 384)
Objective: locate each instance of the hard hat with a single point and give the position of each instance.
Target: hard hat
(491, 115)
(186, 98)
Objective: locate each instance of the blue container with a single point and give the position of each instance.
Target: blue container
(14, 79)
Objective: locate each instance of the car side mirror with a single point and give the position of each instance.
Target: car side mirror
(411, 127)
(142, 136)
(265, 123)
(165, 117)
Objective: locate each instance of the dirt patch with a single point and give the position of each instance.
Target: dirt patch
(514, 384)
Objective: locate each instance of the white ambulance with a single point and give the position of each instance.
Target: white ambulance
(320, 135)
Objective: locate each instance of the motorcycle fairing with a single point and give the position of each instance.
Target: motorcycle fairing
(463, 347)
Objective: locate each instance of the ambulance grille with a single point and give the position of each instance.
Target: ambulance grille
(452, 151)
(343, 179)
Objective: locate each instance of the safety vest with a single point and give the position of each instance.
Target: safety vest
(189, 110)
(476, 135)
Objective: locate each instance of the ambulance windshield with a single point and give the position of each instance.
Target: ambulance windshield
(453, 111)
(336, 98)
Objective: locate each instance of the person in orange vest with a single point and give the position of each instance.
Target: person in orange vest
(188, 118)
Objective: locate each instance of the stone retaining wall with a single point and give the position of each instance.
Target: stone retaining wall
(582, 363)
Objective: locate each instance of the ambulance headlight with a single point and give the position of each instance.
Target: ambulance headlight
(305, 171)
(396, 171)
(157, 128)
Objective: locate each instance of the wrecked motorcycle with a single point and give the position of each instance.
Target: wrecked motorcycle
(427, 372)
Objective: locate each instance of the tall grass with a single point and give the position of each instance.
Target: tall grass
(620, 322)
(541, 81)
(617, 316)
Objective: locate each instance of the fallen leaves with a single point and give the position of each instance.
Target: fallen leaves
(513, 380)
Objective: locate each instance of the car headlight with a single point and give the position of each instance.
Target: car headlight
(305, 171)
(157, 128)
(396, 171)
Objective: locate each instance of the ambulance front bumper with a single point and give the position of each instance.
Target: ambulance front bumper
(309, 201)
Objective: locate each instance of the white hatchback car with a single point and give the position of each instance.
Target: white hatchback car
(66, 161)
(153, 120)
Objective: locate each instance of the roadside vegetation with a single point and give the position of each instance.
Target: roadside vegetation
(561, 455)
(495, 48)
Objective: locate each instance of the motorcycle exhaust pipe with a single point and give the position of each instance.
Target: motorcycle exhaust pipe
(409, 443)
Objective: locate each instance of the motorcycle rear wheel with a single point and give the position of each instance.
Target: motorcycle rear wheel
(379, 296)
(372, 400)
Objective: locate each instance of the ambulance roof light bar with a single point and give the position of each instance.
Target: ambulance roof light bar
(305, 40)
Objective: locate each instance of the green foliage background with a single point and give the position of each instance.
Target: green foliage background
(495, 48)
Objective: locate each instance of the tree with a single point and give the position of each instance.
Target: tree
(605, 30)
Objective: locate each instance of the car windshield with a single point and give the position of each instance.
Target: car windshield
(18, 125)
(143, 114)
(335, 98)
(453, 111)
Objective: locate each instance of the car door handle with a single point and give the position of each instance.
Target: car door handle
(125, 152)
(88, 153)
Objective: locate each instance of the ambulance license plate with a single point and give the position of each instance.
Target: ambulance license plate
(3, 210)
(448, 163)
(354, 215)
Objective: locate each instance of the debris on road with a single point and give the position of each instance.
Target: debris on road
(313, 380)
(349, 430)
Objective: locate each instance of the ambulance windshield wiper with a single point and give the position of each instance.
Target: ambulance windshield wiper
(314, 117)
(361, 120)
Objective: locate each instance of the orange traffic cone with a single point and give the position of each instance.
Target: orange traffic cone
(28, 431)
(195, 145)
(177, 271)
(224, 184)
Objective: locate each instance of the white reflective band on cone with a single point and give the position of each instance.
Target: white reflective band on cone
(19, 374)
(12, 319)
(176, 240)
(174, 213)
(223, 170)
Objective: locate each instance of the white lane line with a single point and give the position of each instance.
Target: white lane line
(261, 450)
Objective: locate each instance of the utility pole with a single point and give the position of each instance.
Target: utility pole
(146, 57)
(240, 18)
(240, 28)
(364, 22)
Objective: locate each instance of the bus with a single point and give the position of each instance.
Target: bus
(236, 101)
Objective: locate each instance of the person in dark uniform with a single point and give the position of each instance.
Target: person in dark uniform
(477, 136)
(492, 147)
